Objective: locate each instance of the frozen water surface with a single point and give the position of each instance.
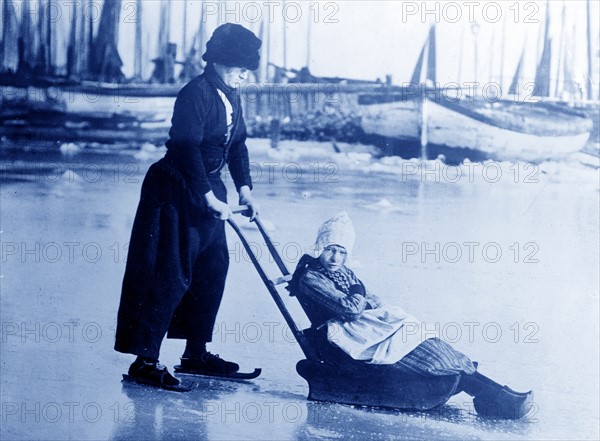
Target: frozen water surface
(503, 261)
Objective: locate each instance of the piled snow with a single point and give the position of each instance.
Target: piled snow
(69, 148)
(149, 152)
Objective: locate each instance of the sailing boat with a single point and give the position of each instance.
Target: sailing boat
(475, 128)
(393, 119)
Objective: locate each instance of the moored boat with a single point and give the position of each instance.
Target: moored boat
(507, 130)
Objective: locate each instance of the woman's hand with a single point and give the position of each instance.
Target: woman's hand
(247, 199)
(218, 208)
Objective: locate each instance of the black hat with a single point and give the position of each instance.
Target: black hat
(234, 46)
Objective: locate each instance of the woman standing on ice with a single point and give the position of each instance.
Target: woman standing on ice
(352, 319)
(178, 257)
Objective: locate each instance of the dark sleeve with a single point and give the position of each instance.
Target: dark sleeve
(322, 291)
(186, 135)
(238, 162)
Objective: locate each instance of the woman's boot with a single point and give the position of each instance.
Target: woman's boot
(494, 400)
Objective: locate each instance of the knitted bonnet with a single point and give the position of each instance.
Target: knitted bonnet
(336, 231)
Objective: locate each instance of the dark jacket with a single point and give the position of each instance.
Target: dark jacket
(197, 144)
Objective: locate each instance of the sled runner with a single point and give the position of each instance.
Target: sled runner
(352, 382)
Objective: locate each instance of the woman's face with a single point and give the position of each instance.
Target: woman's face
(232, 76)
(333, 257)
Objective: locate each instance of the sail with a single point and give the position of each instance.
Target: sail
(514, 85)
(429, 46)
(416, 75)
(27, 40)
(571, 88)
(137, 62)
(542, 76)
(72, 50)
(106, 62)
(431, 56)
(9, 58)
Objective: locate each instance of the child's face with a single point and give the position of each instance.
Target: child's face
(333, 257)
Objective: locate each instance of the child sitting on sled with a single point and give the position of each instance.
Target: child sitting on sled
(349, 318)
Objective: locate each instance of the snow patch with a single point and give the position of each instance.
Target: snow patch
(148, 152)
(383, 206)
(69, 148)
(319, 433)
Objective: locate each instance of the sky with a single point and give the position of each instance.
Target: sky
(476, 40)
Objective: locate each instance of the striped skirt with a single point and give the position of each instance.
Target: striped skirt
(435, 357)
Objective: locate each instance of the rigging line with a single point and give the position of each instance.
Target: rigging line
(548, 181)
(542, 190)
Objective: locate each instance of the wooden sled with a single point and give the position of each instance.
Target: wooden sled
(353, 382)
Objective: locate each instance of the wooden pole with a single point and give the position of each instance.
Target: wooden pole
(284, 40)
(137, 68)
(91, 54)
(589, 51)
(49, 68)
(424, 138)
(492, 53)
(557, 86)
(308, 37)
(502, 52)
(268, 33)
(460, 54)
(184, 42)
(423, 103)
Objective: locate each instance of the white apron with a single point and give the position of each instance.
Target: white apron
(380, 336)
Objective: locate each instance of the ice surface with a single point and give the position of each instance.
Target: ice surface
(66, 223)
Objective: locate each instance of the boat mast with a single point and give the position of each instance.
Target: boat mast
(268, 49)
(90, 45)
(184, 42)
(137, 61)
(308, 37)
(83, 54)
(50, 65)
(460, 54)
(4, 34)
(589, 51)
(475, 31)
(264, 62)
(502, 52)
(492, 53)
(284, 40)
(40, 65)
(558, 87)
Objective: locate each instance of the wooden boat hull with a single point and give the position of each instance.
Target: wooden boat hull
(451, 128)
(399, 120)
(53, 125)
(377, 386)
(510, 131)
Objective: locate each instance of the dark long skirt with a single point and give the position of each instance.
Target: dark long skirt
(176, 265)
